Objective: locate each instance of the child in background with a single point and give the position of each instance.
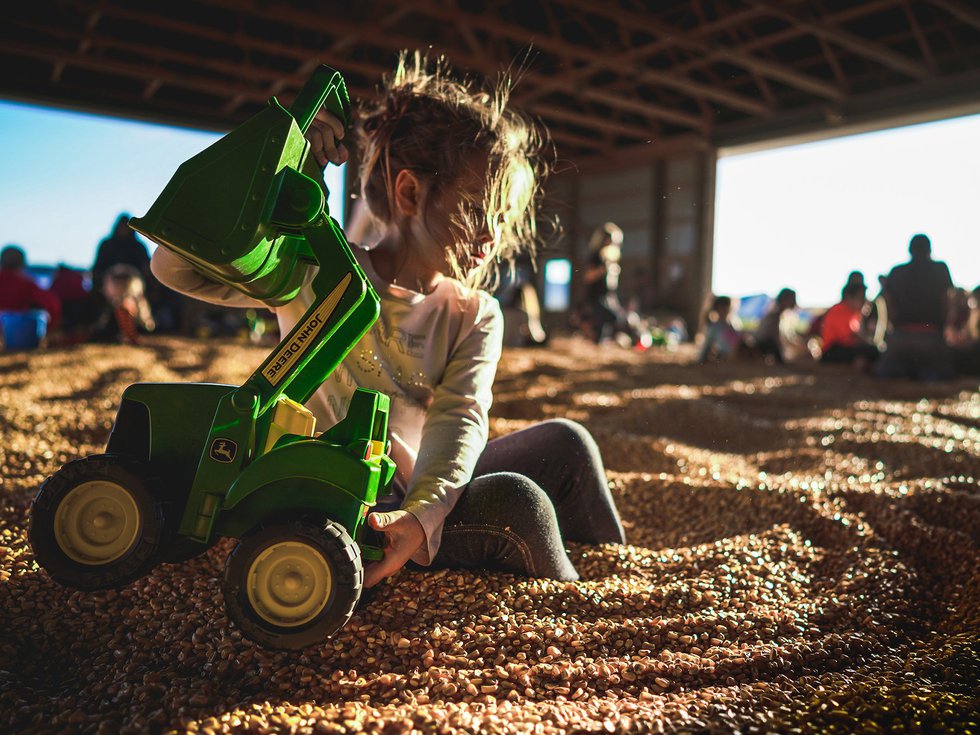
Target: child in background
(769, 337)
(127, 313)
(18, 292)
(841, 331)
(722, 339)
(453, 178)
(80, 308)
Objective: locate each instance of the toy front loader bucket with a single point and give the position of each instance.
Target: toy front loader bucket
(217, 209)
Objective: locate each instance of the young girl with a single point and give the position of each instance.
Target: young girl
(452, 178)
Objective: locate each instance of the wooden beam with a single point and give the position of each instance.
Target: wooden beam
(561, 47)
(245, 94)
(859, 10)
(845, 39)
(349, 39)
(778, 72)
(640, 107)
(104, 43)
(625, 102)
(93, 20)
(227, 68)
(832, 61)
(590, 121)
(57, 69)
(103, 100)
(761, 83)
(920, 38)
(239, 94)
(869, 78)
(141, 72)
(158, 22)
(637, 55)
(646, 109)
(388, 40)
(151, 89)
(634, 104)
(963, 12)
(580, 141)
(638, 155)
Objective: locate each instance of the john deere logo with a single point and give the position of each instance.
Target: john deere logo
(304, 335)
(223, 450)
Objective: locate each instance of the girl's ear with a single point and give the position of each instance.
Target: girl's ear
(408, 193)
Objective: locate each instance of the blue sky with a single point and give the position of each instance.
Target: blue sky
(68, 176)
(805, 216)
(801, 216)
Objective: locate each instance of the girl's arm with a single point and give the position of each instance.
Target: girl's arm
(178, 274)
(404, 457)
(456, 427)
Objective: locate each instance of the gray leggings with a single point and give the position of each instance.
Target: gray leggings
(530, 491)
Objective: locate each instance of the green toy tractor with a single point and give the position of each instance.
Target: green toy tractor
(189, 463)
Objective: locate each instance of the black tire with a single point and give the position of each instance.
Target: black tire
(96, 523)
(306, 551)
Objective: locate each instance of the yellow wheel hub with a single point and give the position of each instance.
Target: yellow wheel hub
(289, 583)
(97, 522)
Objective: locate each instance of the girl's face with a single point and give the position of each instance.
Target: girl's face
(453, 226)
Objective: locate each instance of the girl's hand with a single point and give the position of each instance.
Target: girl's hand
(403, 536)
(324, 133)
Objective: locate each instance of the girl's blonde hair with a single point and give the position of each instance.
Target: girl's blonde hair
(426, 121)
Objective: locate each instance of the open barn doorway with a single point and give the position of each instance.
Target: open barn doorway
(804, 216)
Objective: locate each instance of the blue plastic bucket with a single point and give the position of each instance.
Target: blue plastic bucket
(23, 330)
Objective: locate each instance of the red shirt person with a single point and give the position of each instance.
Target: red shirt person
(841, 324)
(18, 292)
(840, 330)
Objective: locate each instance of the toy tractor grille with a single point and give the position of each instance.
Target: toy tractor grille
(131, 431)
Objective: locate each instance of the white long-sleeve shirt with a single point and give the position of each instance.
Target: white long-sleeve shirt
(435, 355)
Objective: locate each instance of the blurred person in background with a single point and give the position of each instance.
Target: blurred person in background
(603, 313)
(80, 308)
(722, 339)
(877, 321)
(966, 355)
(842, 333)
(958, 322)
(815, 340)
(127, 313)
(917, 294)
(18, 292)
(121, 247)
(519, 302)
(770, 337)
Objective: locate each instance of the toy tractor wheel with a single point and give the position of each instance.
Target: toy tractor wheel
(293, 584)
(95, 524)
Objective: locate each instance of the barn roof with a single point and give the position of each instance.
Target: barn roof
(614, 80)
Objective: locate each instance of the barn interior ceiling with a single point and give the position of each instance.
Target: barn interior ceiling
(614, 80)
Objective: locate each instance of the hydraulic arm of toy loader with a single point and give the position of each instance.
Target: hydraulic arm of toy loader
(343, 309)
(341, 313)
